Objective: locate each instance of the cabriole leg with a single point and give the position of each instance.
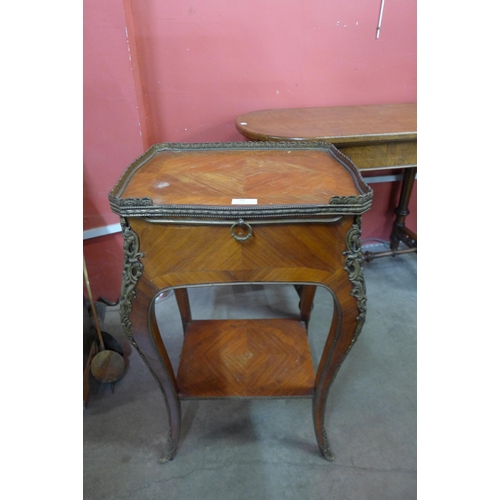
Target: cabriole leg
(137, 300)
(349, 295)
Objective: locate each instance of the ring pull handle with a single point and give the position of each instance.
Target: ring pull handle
(243, 230)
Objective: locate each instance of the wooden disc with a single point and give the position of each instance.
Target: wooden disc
(107, 366)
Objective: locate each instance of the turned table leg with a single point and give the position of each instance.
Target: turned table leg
(398, 229)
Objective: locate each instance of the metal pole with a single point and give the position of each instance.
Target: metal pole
(379, 25)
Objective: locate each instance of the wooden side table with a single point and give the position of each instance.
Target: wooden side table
(374, 137)
(242, 213)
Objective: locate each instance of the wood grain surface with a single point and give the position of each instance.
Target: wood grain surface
(245, 358)
(271, 177)
(173, 253)
(337, 124)
(373, 137)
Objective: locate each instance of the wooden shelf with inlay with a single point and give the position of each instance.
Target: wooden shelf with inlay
(245, 358)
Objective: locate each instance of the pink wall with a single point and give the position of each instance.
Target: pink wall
(110, 118)
(186, 70)
(111, 134)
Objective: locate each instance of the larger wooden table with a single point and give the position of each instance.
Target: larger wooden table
(375, 137)
(232, 214)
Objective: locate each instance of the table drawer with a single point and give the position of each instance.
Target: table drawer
(240, 245)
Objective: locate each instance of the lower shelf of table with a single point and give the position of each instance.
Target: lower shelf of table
(245, 358)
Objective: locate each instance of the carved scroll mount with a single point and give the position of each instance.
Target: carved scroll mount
(354, 268)
(132, 271)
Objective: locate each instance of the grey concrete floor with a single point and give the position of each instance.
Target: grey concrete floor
(266, 449)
